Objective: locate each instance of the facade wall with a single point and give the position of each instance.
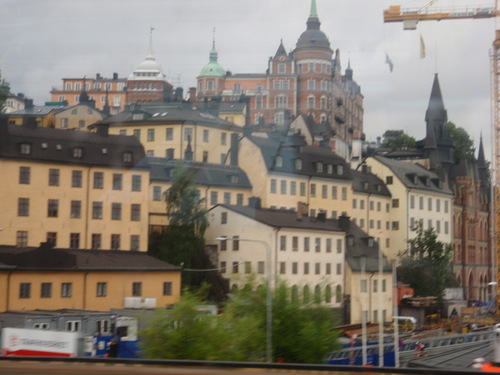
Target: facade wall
(28, 223)
(78, 117)
(209, 144)
(84, 289)
(308, 267)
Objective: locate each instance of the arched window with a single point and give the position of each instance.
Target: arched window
(328, 294)
(306, 294)
(317, 294)
(295, 294)
(338, 294)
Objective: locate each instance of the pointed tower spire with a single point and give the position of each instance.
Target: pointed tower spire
(436, 115)
(281, 50)
(481, 160)
(150, 55)
(313, 13)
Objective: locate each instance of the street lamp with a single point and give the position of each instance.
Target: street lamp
(269, 304)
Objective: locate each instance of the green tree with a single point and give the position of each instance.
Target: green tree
(464, 146)
(182, 243)
(424, 263)
(4, 91)
(397, 139)
(302, 333)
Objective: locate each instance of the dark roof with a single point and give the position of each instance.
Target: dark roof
(206, 174)
(284, 218)
(366, 182)
(47, 259)
(37, 110)
(57, 145)
(292, 147)
(232, 107)
(414, 176)
(142, 115)
(313, 37)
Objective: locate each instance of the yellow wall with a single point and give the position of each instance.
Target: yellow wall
(37, 224)
(84, 289)
(74, 115)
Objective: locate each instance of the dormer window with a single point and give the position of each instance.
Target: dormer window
(350, 240)
(233, 179)
(370, 242)
(25, 148)
(329, 168)
(319, 167)
(127, 157)
(365, 185)
(340, 170)
(298, 164)
(78, 152)
(279, 161)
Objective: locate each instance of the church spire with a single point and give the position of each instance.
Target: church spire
(481, 160)
(436, 116)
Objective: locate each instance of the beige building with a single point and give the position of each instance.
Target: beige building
(50, 279)
(76, 190)
(417, 195)
(77, 117)
(176, 132)
(284, 170)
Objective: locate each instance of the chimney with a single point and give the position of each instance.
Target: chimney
(28, 103)
(364, 168)
(321, 216)
(102, 129)
(192, 94)
(98, 76)
(179, 92)
(344, 222)
(115, 76)
(30, 122)
(234, 150)
(302, 210)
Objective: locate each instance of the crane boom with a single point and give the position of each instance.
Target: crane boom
(396, 14)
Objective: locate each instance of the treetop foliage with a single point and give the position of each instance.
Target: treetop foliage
(4, 91)
(397, 139)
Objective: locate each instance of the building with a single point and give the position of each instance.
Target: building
(176, 131)
(77, 117)
(76, 190)
(51, 279)
(41, 115)
(418, 195)
(216, 183)
(306, 81)
(103, 91)
(309, 253)
(14, 103)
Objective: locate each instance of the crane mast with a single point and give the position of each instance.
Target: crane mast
(410, 19)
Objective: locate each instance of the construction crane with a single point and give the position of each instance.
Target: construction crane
(410, 19)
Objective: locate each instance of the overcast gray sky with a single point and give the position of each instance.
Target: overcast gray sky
(42, 41)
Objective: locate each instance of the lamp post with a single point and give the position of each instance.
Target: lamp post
(269, 304)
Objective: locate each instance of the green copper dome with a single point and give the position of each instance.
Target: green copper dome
(213, 68)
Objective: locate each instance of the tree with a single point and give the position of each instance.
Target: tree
(182, 243)
(464, 146)
(424, 263)
(397, 139)
(4, 91)
(302, 333)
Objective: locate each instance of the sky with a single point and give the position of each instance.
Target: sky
(42, 42)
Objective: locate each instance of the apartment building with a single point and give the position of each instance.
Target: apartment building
(76, 190)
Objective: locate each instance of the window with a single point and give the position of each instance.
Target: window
(328, 269)
(295, 243)
(151, 135)
(127, 157)
(306, 268)
(328, 245)
(96, 241)
(298, 164)
(248, 267)
(46, 290)
(317, 244)
(76, 209)
(135, 212)
(384, 285)
(102, 289)
(188, 134)
(52, 238)
(293, 187)
(134, 242)
(78, 152)
(283, 186)
(282, 268)
(115, 241)
(214, 197)
(25, 148)
(412, 201)
(53, 177)
(317, 268)
(438, 205)
(23, 207)
(354, 203)
(25, 290)
(363, 286)
(227, 198)
(117, 181)
(98, 180)
(74, 241)
(306, 244)
(97, 210)
(24, 175)
(53, 208)
(136, 183)
(334, 192)
(76, 179)
(236, 243)
(137, 289)
(395, 225)
(116, 211)
(388, 180)
(302, 189)
(362, 204)
(235, 267)
(421, 203)
(446, 206)
(310, 102)
(167, 288)
(429, 204)
(313, 190)
(223, 218)
(157, 193)
(22, 238)
(324, 191)
(344, 193)
(205, 135)
(282, 243)
(239, 199)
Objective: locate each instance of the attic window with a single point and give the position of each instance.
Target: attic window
(25, 148)
(370, 242)
(365, 185)
(319, 167)
(58, 147)
(138, 116)
(45, 145)
(350, 240)
(127, 157)
(78, 152)
(329, 168)
(233, 179)
(298, 164)
(104, 151)
(279, 161)
(340, 170)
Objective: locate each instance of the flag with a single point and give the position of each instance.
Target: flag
(389, 62)
(422, 47)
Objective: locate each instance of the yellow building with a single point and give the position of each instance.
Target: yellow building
(77, 117)
(176, 132)
(76, 190)
(51, 279)
(284, 171)
(216, 184)
(41, 115)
